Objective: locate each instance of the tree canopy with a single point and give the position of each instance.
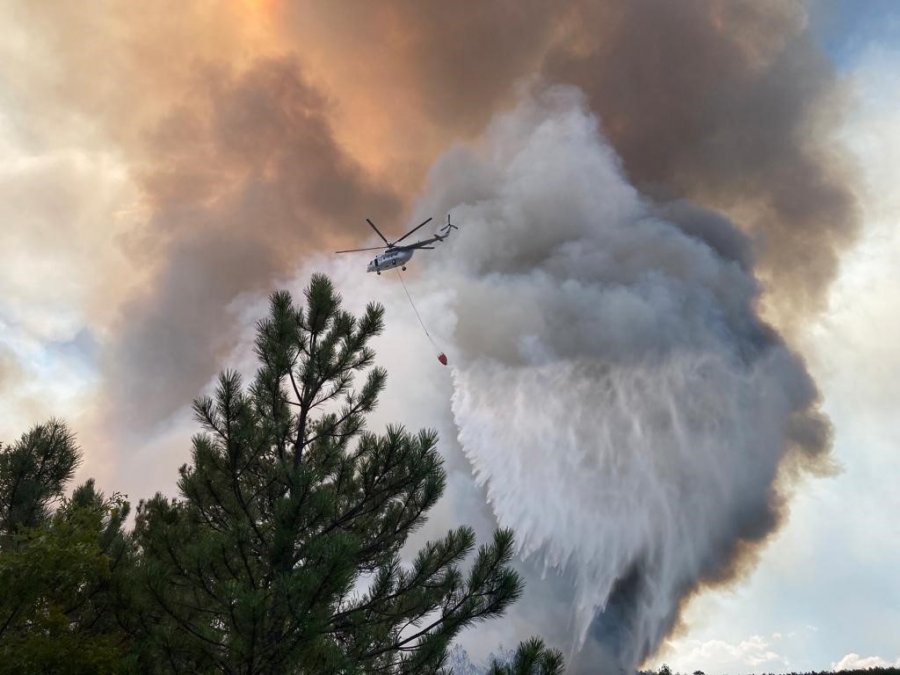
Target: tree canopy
(59, 568)
(286, 549)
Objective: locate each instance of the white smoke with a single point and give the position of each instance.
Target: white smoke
(620, 401)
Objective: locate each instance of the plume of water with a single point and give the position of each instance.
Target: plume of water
(618, 396)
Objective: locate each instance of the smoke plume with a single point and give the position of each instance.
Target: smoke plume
(730, 104)
(617, 395)
(246, 177)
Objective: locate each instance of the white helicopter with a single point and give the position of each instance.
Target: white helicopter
(398, 256)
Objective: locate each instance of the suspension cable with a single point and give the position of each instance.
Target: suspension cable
(441, 357)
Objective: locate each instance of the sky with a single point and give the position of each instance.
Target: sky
(164, 167)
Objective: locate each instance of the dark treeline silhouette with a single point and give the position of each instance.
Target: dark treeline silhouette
(282, 553)
(877, 670)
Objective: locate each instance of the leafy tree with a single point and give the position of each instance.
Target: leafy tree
(283, 552)
(60, 569)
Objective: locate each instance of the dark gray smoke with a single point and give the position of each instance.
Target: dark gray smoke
(615, 391)
(611, 356)
(246, 176)
(730, 104)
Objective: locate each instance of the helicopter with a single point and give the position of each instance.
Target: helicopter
(396, 255)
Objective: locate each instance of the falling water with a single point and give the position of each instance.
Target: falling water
(617, 394)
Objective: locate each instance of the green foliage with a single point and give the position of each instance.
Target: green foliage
(61, 569)
(531, 658)
(33, 473)
(283, 554)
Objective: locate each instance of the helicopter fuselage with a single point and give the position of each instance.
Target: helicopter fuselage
(398, 256)
(390, 259)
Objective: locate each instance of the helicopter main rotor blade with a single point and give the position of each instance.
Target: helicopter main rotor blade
(389, 244)
(356, 250)
(423, 243)
(422, 224)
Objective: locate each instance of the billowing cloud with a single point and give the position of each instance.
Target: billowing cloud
(246, 178)
(853, 661)
(165, 163)
(264, 124)
(756, 653)
(619, 398)
(731, 105)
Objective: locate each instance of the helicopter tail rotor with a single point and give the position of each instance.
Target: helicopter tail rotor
(449, 226)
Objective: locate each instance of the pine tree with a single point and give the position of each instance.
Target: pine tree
(283, 554)
(60, 568)
(33, 474)
(531, 658)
